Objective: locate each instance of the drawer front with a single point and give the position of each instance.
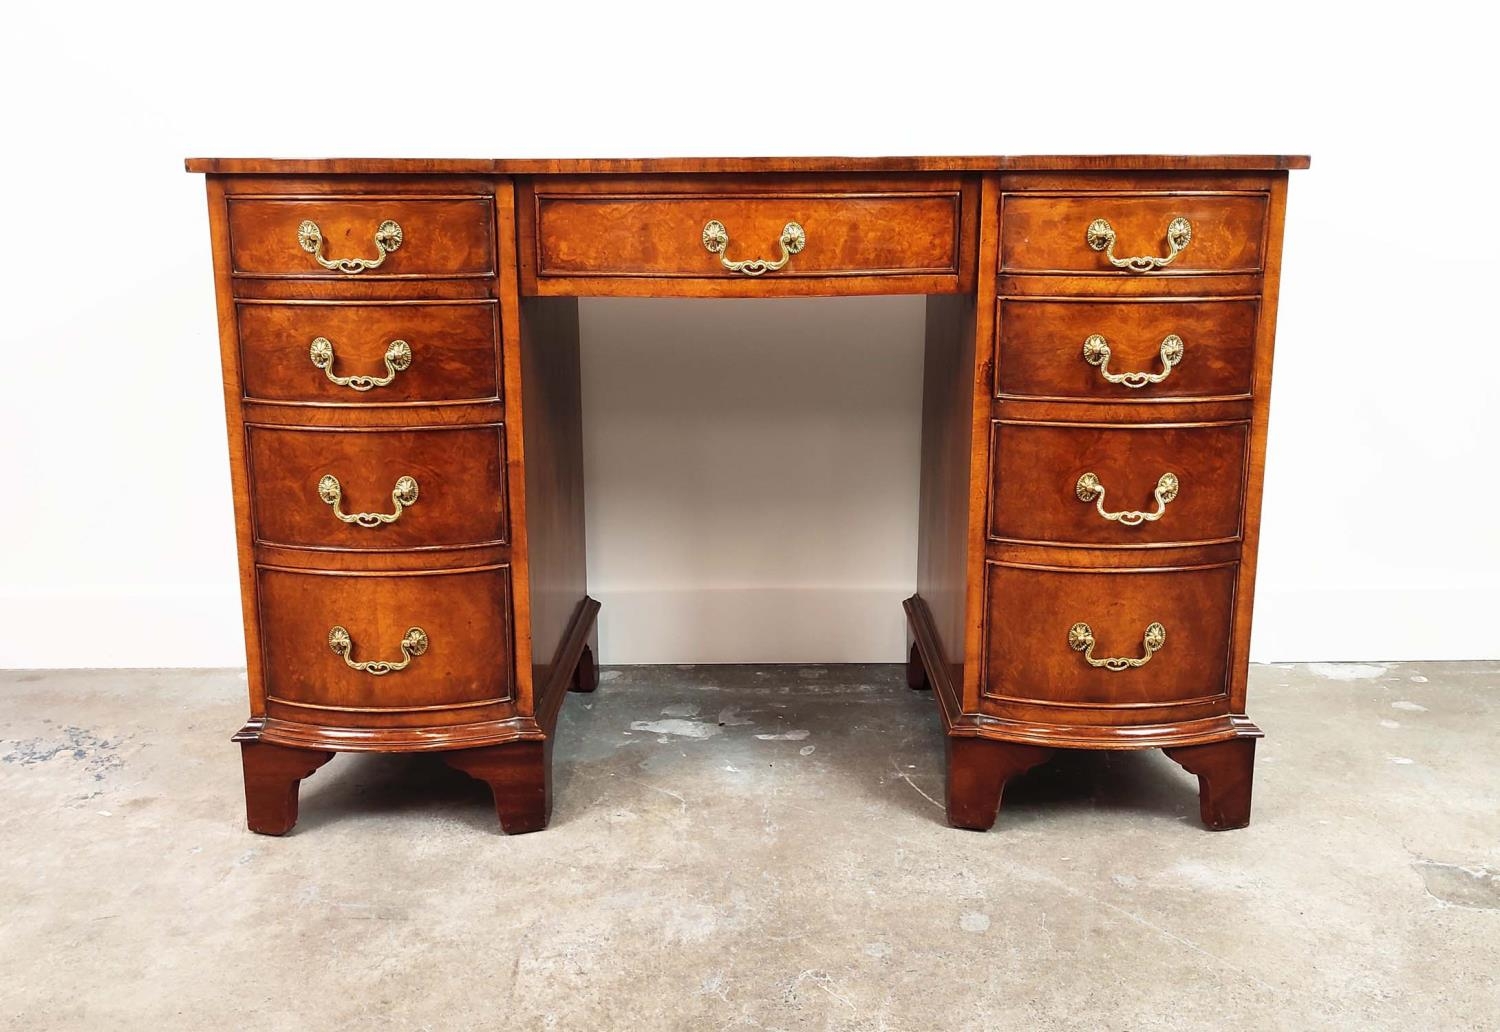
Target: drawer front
(458, 497)
(1051, 232)
(438, 238)
(370, 354)
(460, 654)
(1047, 349)
(841, 234)
(1037, 652)
(1041, 490)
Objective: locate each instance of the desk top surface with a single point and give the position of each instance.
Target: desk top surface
(637, 166)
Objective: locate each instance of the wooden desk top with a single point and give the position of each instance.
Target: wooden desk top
(636, 166)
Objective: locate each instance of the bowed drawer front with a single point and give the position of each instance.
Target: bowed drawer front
(1124, 234)
(369, 237)
(1118, 486)
(1126, 350)
(371, 490)
(369, 353)
(1107, 638)
(343, 648)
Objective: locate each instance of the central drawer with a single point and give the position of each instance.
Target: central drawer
(373, 490)
(843, 229)
(1156, 484)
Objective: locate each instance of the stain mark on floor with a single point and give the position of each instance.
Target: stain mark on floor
(677, 726)
(1477, 888)
(98, 755)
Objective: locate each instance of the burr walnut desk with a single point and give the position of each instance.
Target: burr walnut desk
(401, 384)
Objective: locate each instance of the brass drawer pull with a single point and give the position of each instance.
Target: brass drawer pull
(388, 237)
(403, 494)
(414, 644)
(1096, 353)
(1089, 489)
(716, 241)
(1101, 237)
(397, 359)
(1081, 639)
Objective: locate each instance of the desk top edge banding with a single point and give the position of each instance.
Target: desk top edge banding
(645, 166)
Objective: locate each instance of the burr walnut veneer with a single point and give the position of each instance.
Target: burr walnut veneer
(401, 381)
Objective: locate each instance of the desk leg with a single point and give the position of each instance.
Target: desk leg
(273, 775)
(916, 673)
(1226, 771)
(586, 673)
(978, 769)
(520, 778)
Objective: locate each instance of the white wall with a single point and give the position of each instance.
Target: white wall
(1380, 536)
(750, 474)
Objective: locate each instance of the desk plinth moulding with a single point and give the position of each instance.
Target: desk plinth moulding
(401, 386)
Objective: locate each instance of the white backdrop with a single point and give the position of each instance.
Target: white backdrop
(1380, 537)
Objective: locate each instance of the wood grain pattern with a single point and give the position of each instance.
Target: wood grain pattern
(454, 347)
(1225, 773)
(643, 236)
(519, 775)
(466, 615)
(1043, 233)
(978, 771)
(460, 475)
(1041, 348)
(1037, 466)
(1031, 609)
(975, 513)
(441, 237)
(943, 499)
(229, 359)
(1265, 347)
(847, 234)
(273, 778)
(550, 377)
(1154, 286)
(638, 166)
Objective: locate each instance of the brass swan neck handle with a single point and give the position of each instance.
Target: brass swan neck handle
(1096, 353)
(402, 495)
(1101, 237)
(1081, 639)
(388, 237)
(1089, 489)
(413, 644)
(397, 359)
(716, 241)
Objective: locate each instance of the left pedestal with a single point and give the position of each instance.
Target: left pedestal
(391, 444)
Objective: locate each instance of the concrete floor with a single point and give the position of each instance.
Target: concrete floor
(753, 848)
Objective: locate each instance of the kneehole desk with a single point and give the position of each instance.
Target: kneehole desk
(401, 387)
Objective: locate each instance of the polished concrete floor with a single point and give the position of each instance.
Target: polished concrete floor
(753, 848)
